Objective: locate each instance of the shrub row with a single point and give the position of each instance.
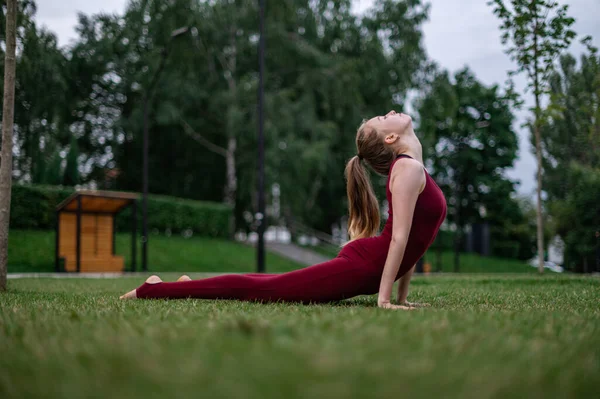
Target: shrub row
(33, 207)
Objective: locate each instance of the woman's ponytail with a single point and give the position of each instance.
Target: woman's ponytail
(363, 220)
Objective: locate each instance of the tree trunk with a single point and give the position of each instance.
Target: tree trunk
(231, 182)
(540, 221)
(538, 149)
(7, 136)
(230, 195)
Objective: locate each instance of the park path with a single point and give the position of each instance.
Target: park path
(298, 254)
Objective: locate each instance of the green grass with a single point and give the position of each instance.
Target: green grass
(33, 251)
(485, 337)
(469, 263)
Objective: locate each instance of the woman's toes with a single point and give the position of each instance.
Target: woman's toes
(153, 280)
(184, 278)
(130, 295)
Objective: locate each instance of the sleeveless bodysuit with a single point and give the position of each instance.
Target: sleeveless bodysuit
(355, 271)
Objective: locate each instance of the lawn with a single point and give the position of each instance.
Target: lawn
(469, 262)
(486, 336)
(33, 251)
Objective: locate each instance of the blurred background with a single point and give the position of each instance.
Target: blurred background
(85, 71)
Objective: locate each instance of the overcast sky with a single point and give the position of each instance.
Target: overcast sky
(458, 33)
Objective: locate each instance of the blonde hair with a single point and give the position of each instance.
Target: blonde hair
(363, 207)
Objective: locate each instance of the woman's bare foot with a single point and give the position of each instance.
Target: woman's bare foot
(153, 280)
(133, 294)
(184, 278)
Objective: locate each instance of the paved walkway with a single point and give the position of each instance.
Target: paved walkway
(298, 254)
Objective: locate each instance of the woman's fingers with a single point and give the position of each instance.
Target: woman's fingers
(395, 307)
(416, 304)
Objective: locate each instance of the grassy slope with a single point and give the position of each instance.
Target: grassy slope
(485, 337)
(33, 251)
(469, 263)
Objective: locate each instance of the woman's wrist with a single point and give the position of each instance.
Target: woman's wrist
(383, 300)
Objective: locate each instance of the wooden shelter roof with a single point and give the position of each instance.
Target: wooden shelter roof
(93, 201)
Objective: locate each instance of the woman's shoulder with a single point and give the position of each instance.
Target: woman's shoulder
(410, 172)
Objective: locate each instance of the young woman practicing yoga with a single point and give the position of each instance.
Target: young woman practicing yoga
(368, 264)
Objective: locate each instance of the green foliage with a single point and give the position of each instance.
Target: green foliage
(33, 207)
(469, 141)
(576, 217)
(177, 215)
(39, 96)
(71, 177)
(571, 142)
(536, 32)
(327, 70)
(74, 338)
(53, 172)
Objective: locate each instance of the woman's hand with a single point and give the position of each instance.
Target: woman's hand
(415, 304)
(389, 305)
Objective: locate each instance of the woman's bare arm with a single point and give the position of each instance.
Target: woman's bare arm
(403, 291)
(406, 182)
(403, 286)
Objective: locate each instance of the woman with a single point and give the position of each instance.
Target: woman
(368, 264)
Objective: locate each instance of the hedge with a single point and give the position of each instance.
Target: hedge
(33, 207)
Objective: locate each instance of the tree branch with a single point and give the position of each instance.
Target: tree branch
(198, 137)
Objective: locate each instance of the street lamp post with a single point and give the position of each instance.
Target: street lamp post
(147, 98)
(261, 217)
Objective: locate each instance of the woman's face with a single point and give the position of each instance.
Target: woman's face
(392, 122)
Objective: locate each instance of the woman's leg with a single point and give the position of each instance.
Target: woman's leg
(336, 279)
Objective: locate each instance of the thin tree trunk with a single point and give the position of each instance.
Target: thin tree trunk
(540, 220)
(7, 136)
(230, 196)
(538, 149)
(231, 184)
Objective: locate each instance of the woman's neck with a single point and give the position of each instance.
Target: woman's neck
(411, 146)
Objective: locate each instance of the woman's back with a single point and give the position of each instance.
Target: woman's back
(430, 211)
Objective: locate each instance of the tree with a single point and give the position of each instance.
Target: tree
(71, 177)
(471, 143)
(571, 144)
(535, 42)
(7, 135)
(327, 69)
(39, 95)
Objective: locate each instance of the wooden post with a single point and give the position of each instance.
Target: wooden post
(78, 233)
(133, 235)
(57, 243)
(114, 234)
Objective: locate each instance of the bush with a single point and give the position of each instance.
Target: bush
(506, 249)
(33, 208)
(444, 240)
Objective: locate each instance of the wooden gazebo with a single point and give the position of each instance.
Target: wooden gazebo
(85, 231)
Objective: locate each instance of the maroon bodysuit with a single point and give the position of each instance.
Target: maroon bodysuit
(355, 271)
